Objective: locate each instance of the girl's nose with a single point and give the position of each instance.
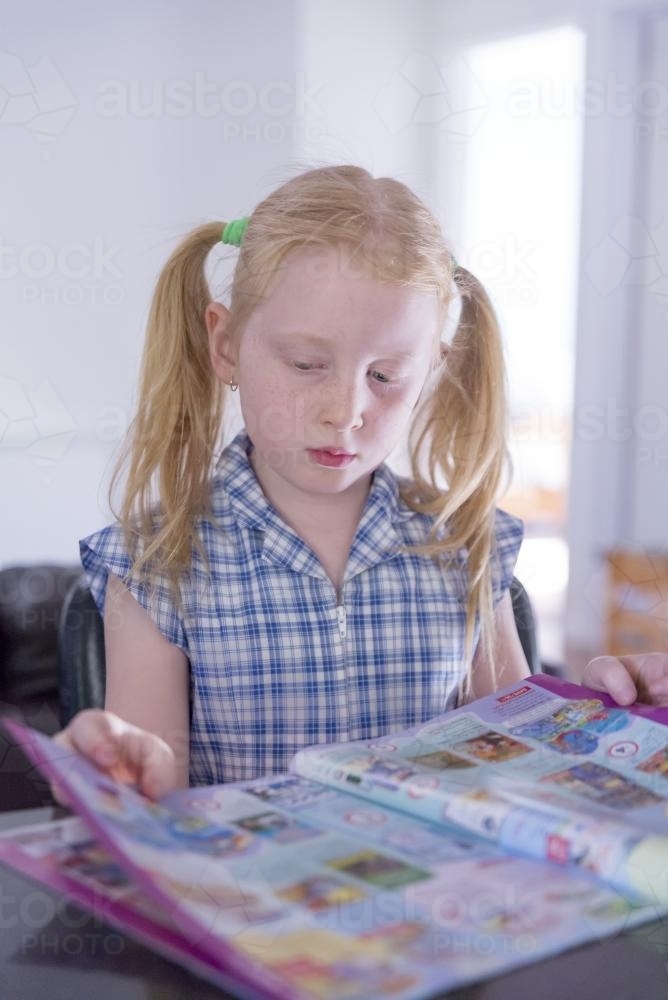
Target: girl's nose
(343, 406)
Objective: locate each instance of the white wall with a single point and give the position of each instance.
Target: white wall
(619, 488)
(131, 182)
(647, 453)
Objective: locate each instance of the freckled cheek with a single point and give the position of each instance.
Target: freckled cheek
(260, 399)
(264, 385)
(278, 408)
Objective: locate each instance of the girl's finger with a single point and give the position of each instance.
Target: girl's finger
(650, 673)
(607, 673)
(94, 734)
(126, 752)
(150, 759)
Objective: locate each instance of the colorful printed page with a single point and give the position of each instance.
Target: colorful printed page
(293, 889)
(65, 856)
(215, 913)
(548, 769)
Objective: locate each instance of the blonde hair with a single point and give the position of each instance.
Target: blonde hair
(458, 431)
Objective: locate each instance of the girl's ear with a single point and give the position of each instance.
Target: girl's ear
(223, 358)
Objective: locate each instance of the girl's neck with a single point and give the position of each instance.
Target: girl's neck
(333, 516)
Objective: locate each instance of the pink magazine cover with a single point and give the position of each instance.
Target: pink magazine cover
(204, 951)
(567, 689)
(39, 856)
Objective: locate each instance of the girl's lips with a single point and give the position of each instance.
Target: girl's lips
(330, 457)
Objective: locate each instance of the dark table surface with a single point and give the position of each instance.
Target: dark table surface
(46, 956)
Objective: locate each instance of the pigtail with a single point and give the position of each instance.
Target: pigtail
(463, 428)
(171, 440)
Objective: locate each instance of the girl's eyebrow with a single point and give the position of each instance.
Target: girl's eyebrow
(324, 341)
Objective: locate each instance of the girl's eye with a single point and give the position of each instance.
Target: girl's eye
(306, 366)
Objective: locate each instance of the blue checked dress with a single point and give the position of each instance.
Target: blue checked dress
(278, 659)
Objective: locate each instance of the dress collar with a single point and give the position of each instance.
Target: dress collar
(376, 537)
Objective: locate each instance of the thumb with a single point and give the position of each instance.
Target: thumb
(148, 761)
(607, 673)
(123, 751)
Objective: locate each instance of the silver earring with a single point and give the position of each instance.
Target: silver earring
(233, 386)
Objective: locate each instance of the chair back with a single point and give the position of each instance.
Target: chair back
(526, 625)
(81, 660)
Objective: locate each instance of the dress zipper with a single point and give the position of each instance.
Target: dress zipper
(341, 617)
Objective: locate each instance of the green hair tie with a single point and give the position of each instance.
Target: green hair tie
(234, 231)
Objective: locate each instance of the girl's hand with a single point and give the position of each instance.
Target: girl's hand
(123, 751)
(642, 677)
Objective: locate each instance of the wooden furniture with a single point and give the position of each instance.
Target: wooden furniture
(636, 602)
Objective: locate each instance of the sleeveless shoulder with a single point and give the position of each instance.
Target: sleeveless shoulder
(104, 551)
(508, 536)
(507, 541)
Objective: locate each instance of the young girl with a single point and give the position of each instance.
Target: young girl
(292, 589)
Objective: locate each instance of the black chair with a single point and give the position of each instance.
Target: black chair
(81, 664)
(526, 625)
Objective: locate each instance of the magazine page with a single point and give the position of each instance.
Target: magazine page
(211, 909)
(549, 769)
(66, 857)
(373, 904)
